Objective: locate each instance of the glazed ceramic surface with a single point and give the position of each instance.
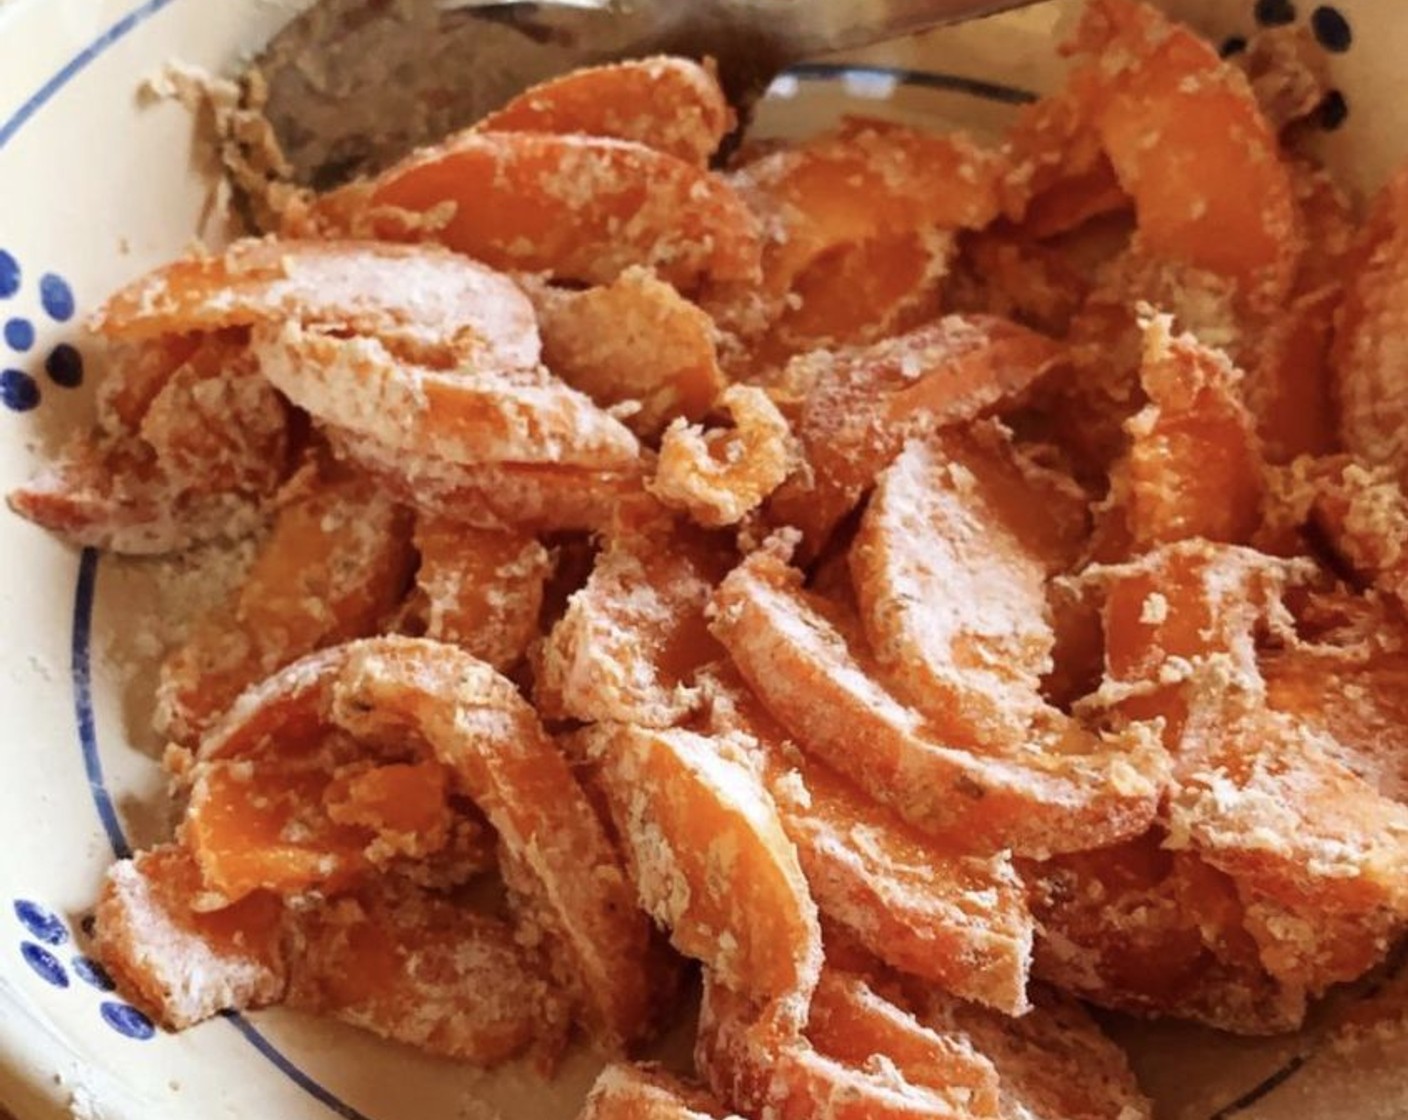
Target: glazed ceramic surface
(98, 182)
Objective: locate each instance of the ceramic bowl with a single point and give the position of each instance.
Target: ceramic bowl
(97, 183)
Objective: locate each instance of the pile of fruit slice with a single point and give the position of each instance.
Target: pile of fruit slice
(923, 584)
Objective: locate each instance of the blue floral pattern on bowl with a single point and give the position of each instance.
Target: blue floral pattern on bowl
(20, 389)
(48, 932)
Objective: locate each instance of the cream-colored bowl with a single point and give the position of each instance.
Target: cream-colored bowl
(97, 184)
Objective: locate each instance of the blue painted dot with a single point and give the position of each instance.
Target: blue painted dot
(18, 390)
(126, 1019)
(1274, 13)
(56, 296)
(64, 366)
(46, 966)
(1331, 29)
(91, 972)
(9, 275)
(44, 924)
(1333, 110)
(19, 334)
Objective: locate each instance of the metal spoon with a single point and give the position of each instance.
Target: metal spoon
(354, 84)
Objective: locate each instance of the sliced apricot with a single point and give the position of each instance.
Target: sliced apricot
(266, 828)
(631, 638)
(755, 1066)
(404, 803)
(1371, 318)
(927, 908)
(207, 446)
(420, 299)
(134, 373)
(634, 341)
(180, 964)
(858, 293)
(283, 715)
(1057, 176)
(1139, 928)
(826, 694)
(1356, 703)
(1186, 612)
(866, 181)
(472, 415)
(674, 105)
(1259, 798)
(1193, 467)
(216, 424)
(117, 498)
(852, 1023)
(418, 968)
(1083, 194)
(538, 497)
(333, 567)
(710, 859)
(1331, 224)
(482, 588)
(1028, 489)
(1288, 387)
(317, 813)
(953, 602)
(281, 801)
(557, 858)
(1053, 1063)
(1185, 602)
(859, 406)
(577, 207)
(1190, 145)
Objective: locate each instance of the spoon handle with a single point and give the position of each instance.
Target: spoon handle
(799, 28)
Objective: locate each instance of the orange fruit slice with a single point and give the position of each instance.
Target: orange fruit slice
(755, 1066)
(482, 589)
(1053, 1063)
(958, 920)
(556, 857)
(333, 567)
(826, 694)
(674, 105)
(1365, 365)
(578, 207)
(419, 968)
(467, 414)
(859, 406)
(634, 341)
(1193, 467)
(1142, 929)
(180, 964)
(710, 859)
(420, 299)
(630, 640)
